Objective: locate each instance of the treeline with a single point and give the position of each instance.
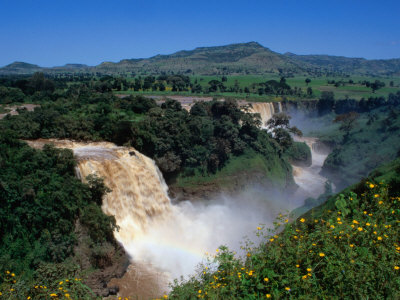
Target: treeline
(327, 104)
(200, 141)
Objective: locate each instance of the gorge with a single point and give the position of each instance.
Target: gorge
(167, 239)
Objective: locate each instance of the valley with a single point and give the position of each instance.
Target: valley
(130, 191)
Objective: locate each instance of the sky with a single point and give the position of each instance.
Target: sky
(56, 32)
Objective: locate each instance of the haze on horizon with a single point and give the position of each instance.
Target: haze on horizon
(49, 33)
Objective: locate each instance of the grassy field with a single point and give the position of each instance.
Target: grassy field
(318, 85)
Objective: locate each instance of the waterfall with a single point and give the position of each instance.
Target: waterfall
(266, 111)
(138, 196)
(310, 182)
(280, 107)
(165, 240)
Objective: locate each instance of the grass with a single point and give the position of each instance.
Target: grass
(318, 84)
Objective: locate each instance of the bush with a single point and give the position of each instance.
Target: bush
(351, 251)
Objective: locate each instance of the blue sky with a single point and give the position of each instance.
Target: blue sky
(56, 32)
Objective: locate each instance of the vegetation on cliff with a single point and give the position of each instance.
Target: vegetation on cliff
(346, 248)
(372, 137)
(42, 205)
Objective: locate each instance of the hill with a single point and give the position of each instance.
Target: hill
(242, 58)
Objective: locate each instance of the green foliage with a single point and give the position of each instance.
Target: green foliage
(41, 200)
(300, 154)
(373, 138)
(333, 255)
(13, 286)
(202, 141)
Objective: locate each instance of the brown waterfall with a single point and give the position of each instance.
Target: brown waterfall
(139, 194)
(266, 111)
(165, 241)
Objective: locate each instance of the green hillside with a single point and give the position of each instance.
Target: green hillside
(347, 248)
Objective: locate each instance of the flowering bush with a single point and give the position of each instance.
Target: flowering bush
(351, 251)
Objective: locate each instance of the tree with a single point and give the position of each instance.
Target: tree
(309, 91)
(326, 103)
(377, 85)
(308, 80)
(279, 125)
(347, 123)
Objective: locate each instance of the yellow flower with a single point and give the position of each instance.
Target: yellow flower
(322, 254)
(165, 296)
(380, 202)
(302, 220)
(304, 276)
(271, 240)
(199, 291)
(379, 238)
(376, 195)
(367, 224)
(29, 297)
(308, 269)
(259, 228)
(355, 221)
(12, 274)
(297, 266)
(61, 282)
(287, 288)
(285, 222)
(351, 245)
(360, 229)
(371, 185)
(332, 226)
(53, 295)
(365, 212)
(268, 295)
(266, 279)
(66, 295)
(396, 267)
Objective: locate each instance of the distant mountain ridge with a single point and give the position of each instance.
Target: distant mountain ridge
(242, 58)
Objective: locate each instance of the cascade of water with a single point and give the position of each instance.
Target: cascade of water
(266, 111)
(280, 107)
(157, 234)
(310, 182)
